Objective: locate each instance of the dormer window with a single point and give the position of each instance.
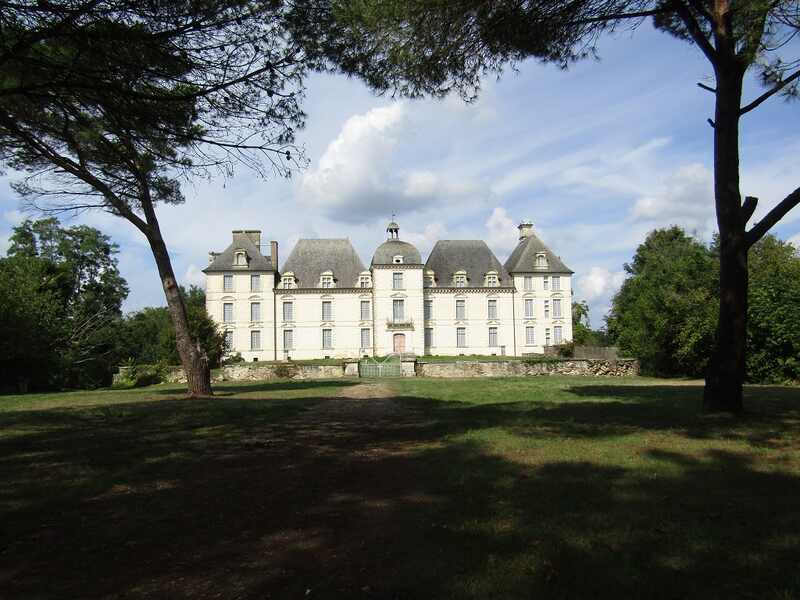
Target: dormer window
(430, 279)
(398, 259)
(240, 258)
(364, 280)
(541, 261)
(460, 279)
(491, 279)
(288, 281)
(326, 280)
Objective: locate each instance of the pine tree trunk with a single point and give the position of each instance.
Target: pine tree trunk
(726, 372)
(193, 358)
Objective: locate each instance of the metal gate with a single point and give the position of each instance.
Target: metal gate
(380, 367)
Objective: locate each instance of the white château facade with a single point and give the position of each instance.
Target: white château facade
(325, 303)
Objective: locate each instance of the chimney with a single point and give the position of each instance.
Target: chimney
(525, 228)
(273, 254)
(255, 236)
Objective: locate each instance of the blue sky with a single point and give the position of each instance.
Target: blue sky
(596, 156)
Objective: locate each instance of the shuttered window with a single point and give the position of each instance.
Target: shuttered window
(227, 312)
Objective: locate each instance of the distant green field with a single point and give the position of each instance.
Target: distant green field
(539, 487)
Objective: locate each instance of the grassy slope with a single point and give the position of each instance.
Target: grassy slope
(499, 488)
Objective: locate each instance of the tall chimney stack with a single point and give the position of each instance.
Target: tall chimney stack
(273, 254)
(525, 228)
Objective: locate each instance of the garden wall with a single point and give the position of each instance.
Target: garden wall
(410, 368)
(521, 368)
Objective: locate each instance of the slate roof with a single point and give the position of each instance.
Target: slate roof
(523, 258)
(241, 241)
(472, 256)
(386, 252)
(311, 257)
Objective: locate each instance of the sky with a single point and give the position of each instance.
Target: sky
(595, 156)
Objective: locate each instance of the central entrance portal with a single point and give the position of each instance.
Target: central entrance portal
(399, 343)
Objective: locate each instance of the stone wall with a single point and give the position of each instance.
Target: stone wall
(266, 371)
(521, 368)
(419, 368)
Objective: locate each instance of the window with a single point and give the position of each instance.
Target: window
(287, 281)
(428, 307)
(288, 339)
(255, 283)
(528, 283)
(492, 309)
(556, 283)
(491, 279)
(255, 339)
(430, 281)
(460, 279)
(547, 309)
(398, 311)
(557, 308)
(397, 281)
(398, 260)
(530, 336)
(327, 281)
(255, 311)
(461, 309)
(327, 339)
(365, 338)
(545, 282)
(557, 334)
(541, 261)
(547, 337)
(227, 312)
(327, 310)
(228, 341)
(493, 336)
(227, 283)
(288, 311)
(363, 281)
(428, 337)
(240, 258)
(528, 308)
(461, 337)
(365, 312)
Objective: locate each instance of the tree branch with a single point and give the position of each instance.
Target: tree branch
(769, 93)
(776, 214)
(620, 16)
(707, 87)
(695, 31)
(748, 208)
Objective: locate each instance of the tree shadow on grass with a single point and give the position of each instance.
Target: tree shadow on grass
(230, 389)
(308, 499)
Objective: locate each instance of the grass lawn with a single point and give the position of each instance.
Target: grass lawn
(549, 487)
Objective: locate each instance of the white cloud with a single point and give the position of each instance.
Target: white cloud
(501, 232)
(598, 284)
(194, 276)
(684, 198)
(424, 240)
(364, 175)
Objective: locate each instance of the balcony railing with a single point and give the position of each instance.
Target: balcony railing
(399, 323)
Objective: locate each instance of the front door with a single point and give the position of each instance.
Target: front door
(399, 343)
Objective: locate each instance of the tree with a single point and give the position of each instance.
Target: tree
(31, 323)
(663, 313)
(774, 312)
(83, 278)
(148, 337)
(108, 104)
(424, 47)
